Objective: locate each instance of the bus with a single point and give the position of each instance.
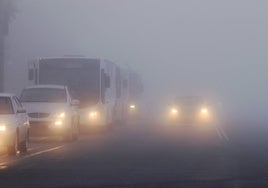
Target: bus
(132, 94)
(96, 83)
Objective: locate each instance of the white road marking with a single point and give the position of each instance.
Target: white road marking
(224, 134)
(31, 155)
(42, 152)
(221, 133)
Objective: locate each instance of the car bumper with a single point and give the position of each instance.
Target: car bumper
(191, 121)
(6, 139)
(47, 128)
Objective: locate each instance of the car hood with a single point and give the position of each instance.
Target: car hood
(35, 107)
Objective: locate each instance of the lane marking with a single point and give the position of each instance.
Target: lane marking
(221, 133)
(42, 152)
(21, 158)
(224, 134)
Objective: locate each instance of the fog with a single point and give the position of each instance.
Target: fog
(217, 49)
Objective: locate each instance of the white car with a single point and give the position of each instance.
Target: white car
(51, 110)
(14, 124)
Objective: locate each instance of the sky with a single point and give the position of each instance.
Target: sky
(213, 48)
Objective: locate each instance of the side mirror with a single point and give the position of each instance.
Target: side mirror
(21, 111)
(75, 102)
(107, 81)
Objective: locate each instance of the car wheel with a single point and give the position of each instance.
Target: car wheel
(12, 150)
(76, 131)
(24, 145)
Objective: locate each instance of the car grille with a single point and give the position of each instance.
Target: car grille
(38, 115)
(39, 128)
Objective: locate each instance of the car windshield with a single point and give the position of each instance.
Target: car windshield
(50, 95)
(189, 101)
(6, 106)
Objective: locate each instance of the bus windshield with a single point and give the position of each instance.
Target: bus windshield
(81, 75)
(50, 95)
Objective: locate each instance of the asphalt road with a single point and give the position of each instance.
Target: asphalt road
(144, 154)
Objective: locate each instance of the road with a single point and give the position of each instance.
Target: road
(143, 154)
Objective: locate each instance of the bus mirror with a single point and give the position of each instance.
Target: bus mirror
(107, 82)
(31, 74)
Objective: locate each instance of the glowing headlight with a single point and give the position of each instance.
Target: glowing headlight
(93, 114)
(3, 127)
(58, 122)
(61, 115)
(132, 106)
(174, 111)
(204, 111)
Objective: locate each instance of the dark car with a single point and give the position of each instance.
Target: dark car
(191, 110)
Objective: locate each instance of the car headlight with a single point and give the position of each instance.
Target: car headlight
(3, 127)
(58, 123)
(61, 115)
(93, 114)
(132, 106)
(174, 110)
(204, 111)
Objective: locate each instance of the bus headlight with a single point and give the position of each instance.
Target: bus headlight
(204, 113)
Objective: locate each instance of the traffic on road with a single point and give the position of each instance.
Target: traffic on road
(133, 94)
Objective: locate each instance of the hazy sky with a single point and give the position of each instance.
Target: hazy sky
(210, 47)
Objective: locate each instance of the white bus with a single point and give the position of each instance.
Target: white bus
(95, 82)
(132, 91)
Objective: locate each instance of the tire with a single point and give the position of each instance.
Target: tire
(76, 127)
(12, 150)
(24, 145)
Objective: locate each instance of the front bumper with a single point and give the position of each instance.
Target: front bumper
(181, 120)
(47, 128)
(6, 139)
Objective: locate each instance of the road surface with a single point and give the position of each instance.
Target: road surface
(143, 154)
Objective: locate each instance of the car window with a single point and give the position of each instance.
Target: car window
(19, 105)
(6, 106)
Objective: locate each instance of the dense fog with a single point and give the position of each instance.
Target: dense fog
(217, 49)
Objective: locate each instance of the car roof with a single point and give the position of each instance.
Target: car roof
(7, 95)
(47, 86)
